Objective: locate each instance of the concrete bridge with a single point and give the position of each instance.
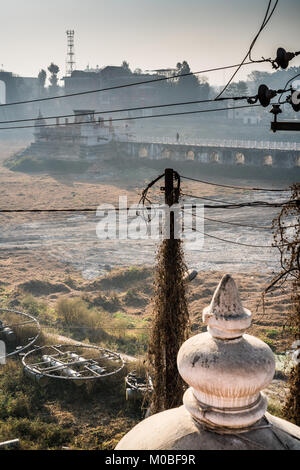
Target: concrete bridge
(227, 152)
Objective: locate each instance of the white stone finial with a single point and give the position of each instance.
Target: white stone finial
(226, 369)
(225, 316)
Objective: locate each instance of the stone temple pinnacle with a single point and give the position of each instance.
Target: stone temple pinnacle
(224, 407)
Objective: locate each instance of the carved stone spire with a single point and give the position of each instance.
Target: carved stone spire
(224, 408)
(226, 317)
(225, 368)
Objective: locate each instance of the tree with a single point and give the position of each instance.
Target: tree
(42, 78)
(53, 69)
(187, 85)
(257, 77)
(242, 88)
(231, 90)
(286, 238)
(237, 89)
(125, 66)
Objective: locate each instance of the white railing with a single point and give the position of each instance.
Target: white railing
(220, 143)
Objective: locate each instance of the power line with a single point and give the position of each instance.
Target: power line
(110, 111)
(241, 204)
(143, 82)
(233, 187)
(132, 118)
(264, 227)
(263, 25)
(137, 209)
(138, 108)
(284, 90)
(232, 242)
(82, 209)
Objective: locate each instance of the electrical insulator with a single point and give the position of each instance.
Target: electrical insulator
(294, 100)
(283, 58)
(265, 95)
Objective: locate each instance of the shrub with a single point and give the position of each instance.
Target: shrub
(33, 306)
(272, 333)
(111, 304)
(82, 321)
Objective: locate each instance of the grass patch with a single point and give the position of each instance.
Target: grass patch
(109, 303)
(272, 333)
(275, 407)
(123, 278)
(133, 298)
(82, 322)
(98, 416)
(38, 287)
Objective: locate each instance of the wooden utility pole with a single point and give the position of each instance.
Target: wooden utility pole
(170, 322)
(171, 195)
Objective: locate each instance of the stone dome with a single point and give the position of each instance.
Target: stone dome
(226, 369)
(224, 407)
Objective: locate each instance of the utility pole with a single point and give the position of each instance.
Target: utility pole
(171, 196)
(171, 320)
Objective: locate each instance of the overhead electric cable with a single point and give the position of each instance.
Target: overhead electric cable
(284, 90)
(131, 118)
(232, 187)
(137, 108)
(143, 82)
(237, 224)
(263, 25)
(121, 110)
(253, 203)
(233, 242)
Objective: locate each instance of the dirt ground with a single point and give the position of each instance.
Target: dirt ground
(20, 190)
(23, 265)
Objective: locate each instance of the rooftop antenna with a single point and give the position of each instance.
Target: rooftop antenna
(70, 62)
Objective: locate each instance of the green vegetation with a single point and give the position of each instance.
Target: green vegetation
(275, 407)
(118, 331)
(269, 342)
(55, 416)
(38, 287)
(123, 279)
(107, 312)
(273, 333)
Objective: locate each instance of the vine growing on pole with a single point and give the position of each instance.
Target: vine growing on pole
(170, 324)
(287, 236)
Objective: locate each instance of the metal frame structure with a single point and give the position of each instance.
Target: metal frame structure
(30, 319)
(136, 386)
(70, 61)
(60, 361)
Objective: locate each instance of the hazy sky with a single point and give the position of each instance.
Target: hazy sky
(147, 33)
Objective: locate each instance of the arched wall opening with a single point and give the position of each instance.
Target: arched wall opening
(215, 158)
(240, 158)
(190, 155)
(268, 160)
